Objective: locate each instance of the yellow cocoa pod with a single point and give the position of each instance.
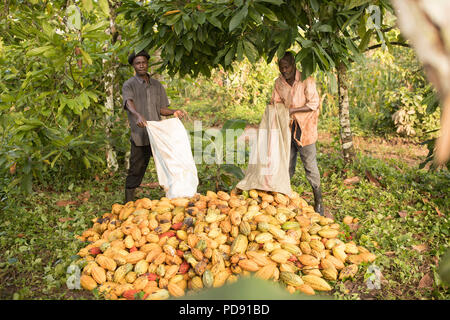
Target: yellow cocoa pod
(351, 248)
(140, 283)
(263, 237)
(223, 195)
(280, 255)
(328, 233)
(260, 259)
(348, 220)
(175, 290)
(87, 282)
(292, 248)
(317, 245)
(281, 199)
(98, 274)
(348, 272)
(253, 194)
(306, 289)
(179, 202)
(106, 262)
(305, 247)
(141, 267)
(308, 260)
(239, 245)
(367, 257)
(267, 271)
(339, 252)
(196, 283)
(330, 274)
(160, 294)
(288, 267)
(171, 271)
(316, 283)
(303, 221)
(130, 277)
(291, 278)
(135, 256)
(338, 264)
(249, 265)
(276, 231)
(220, 278)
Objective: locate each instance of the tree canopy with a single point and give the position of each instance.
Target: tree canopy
(196, 36)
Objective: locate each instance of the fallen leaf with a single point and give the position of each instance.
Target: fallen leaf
(354, 226)
(20, 235)
(151, 185)
(402, 214)
(65, 219)
(421, 247)
(426, 282)
(352, 180)
(63, 203)
(425, 200)
(12, 169)
(389, 253)
(372, 178)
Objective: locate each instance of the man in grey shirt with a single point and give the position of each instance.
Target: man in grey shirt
(144, 99)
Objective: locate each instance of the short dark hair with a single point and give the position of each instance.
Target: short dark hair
(133, 55)
(289, 57)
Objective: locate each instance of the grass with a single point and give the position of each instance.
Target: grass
(403, 215)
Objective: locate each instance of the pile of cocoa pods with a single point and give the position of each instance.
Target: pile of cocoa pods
(156, 249)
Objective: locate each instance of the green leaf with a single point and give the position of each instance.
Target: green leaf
(324, 28)
(237, 18)
(275, 2)
(38, 51)
(86, 56)
(104, 6)
(314, 5)
(240, 51)
(87, 5)
(229, 56)
(187, 44)
(214, 21)
(250, 51)
(234, 170)
(269, 14)
(365, 40)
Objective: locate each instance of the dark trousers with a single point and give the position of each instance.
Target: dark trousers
(308, 157)
(139, 159)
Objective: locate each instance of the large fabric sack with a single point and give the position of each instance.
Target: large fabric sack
(172, 154)
(268, 167)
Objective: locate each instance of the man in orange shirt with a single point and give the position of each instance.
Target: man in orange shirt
(302, 99)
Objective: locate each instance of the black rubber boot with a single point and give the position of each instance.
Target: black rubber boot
(318, 203)
(129, 195)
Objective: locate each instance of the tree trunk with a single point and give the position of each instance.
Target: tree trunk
(344, 115)
(110, 69)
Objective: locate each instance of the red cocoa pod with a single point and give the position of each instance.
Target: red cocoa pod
(179, 253)
(95, 251)
(133, 249)
(167, 234)
(151, 276)
(130, 294)
(177, 226)
(184, 267)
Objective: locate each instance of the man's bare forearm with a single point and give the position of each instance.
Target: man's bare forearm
(301, 109)
(167, 111)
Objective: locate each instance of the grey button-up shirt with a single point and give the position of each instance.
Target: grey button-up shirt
(148, 99)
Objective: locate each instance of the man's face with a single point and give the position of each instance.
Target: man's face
(140, 65)
(287, 69)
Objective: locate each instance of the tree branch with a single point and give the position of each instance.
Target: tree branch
(402, 44)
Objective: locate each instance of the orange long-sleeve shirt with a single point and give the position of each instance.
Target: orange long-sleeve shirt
(299, 94)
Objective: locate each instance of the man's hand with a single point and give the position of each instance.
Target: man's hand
(179, 113)
(140, 121)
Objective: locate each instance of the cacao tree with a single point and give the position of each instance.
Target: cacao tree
(196, 36)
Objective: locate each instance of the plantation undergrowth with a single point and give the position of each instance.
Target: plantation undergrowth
(402, 212)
